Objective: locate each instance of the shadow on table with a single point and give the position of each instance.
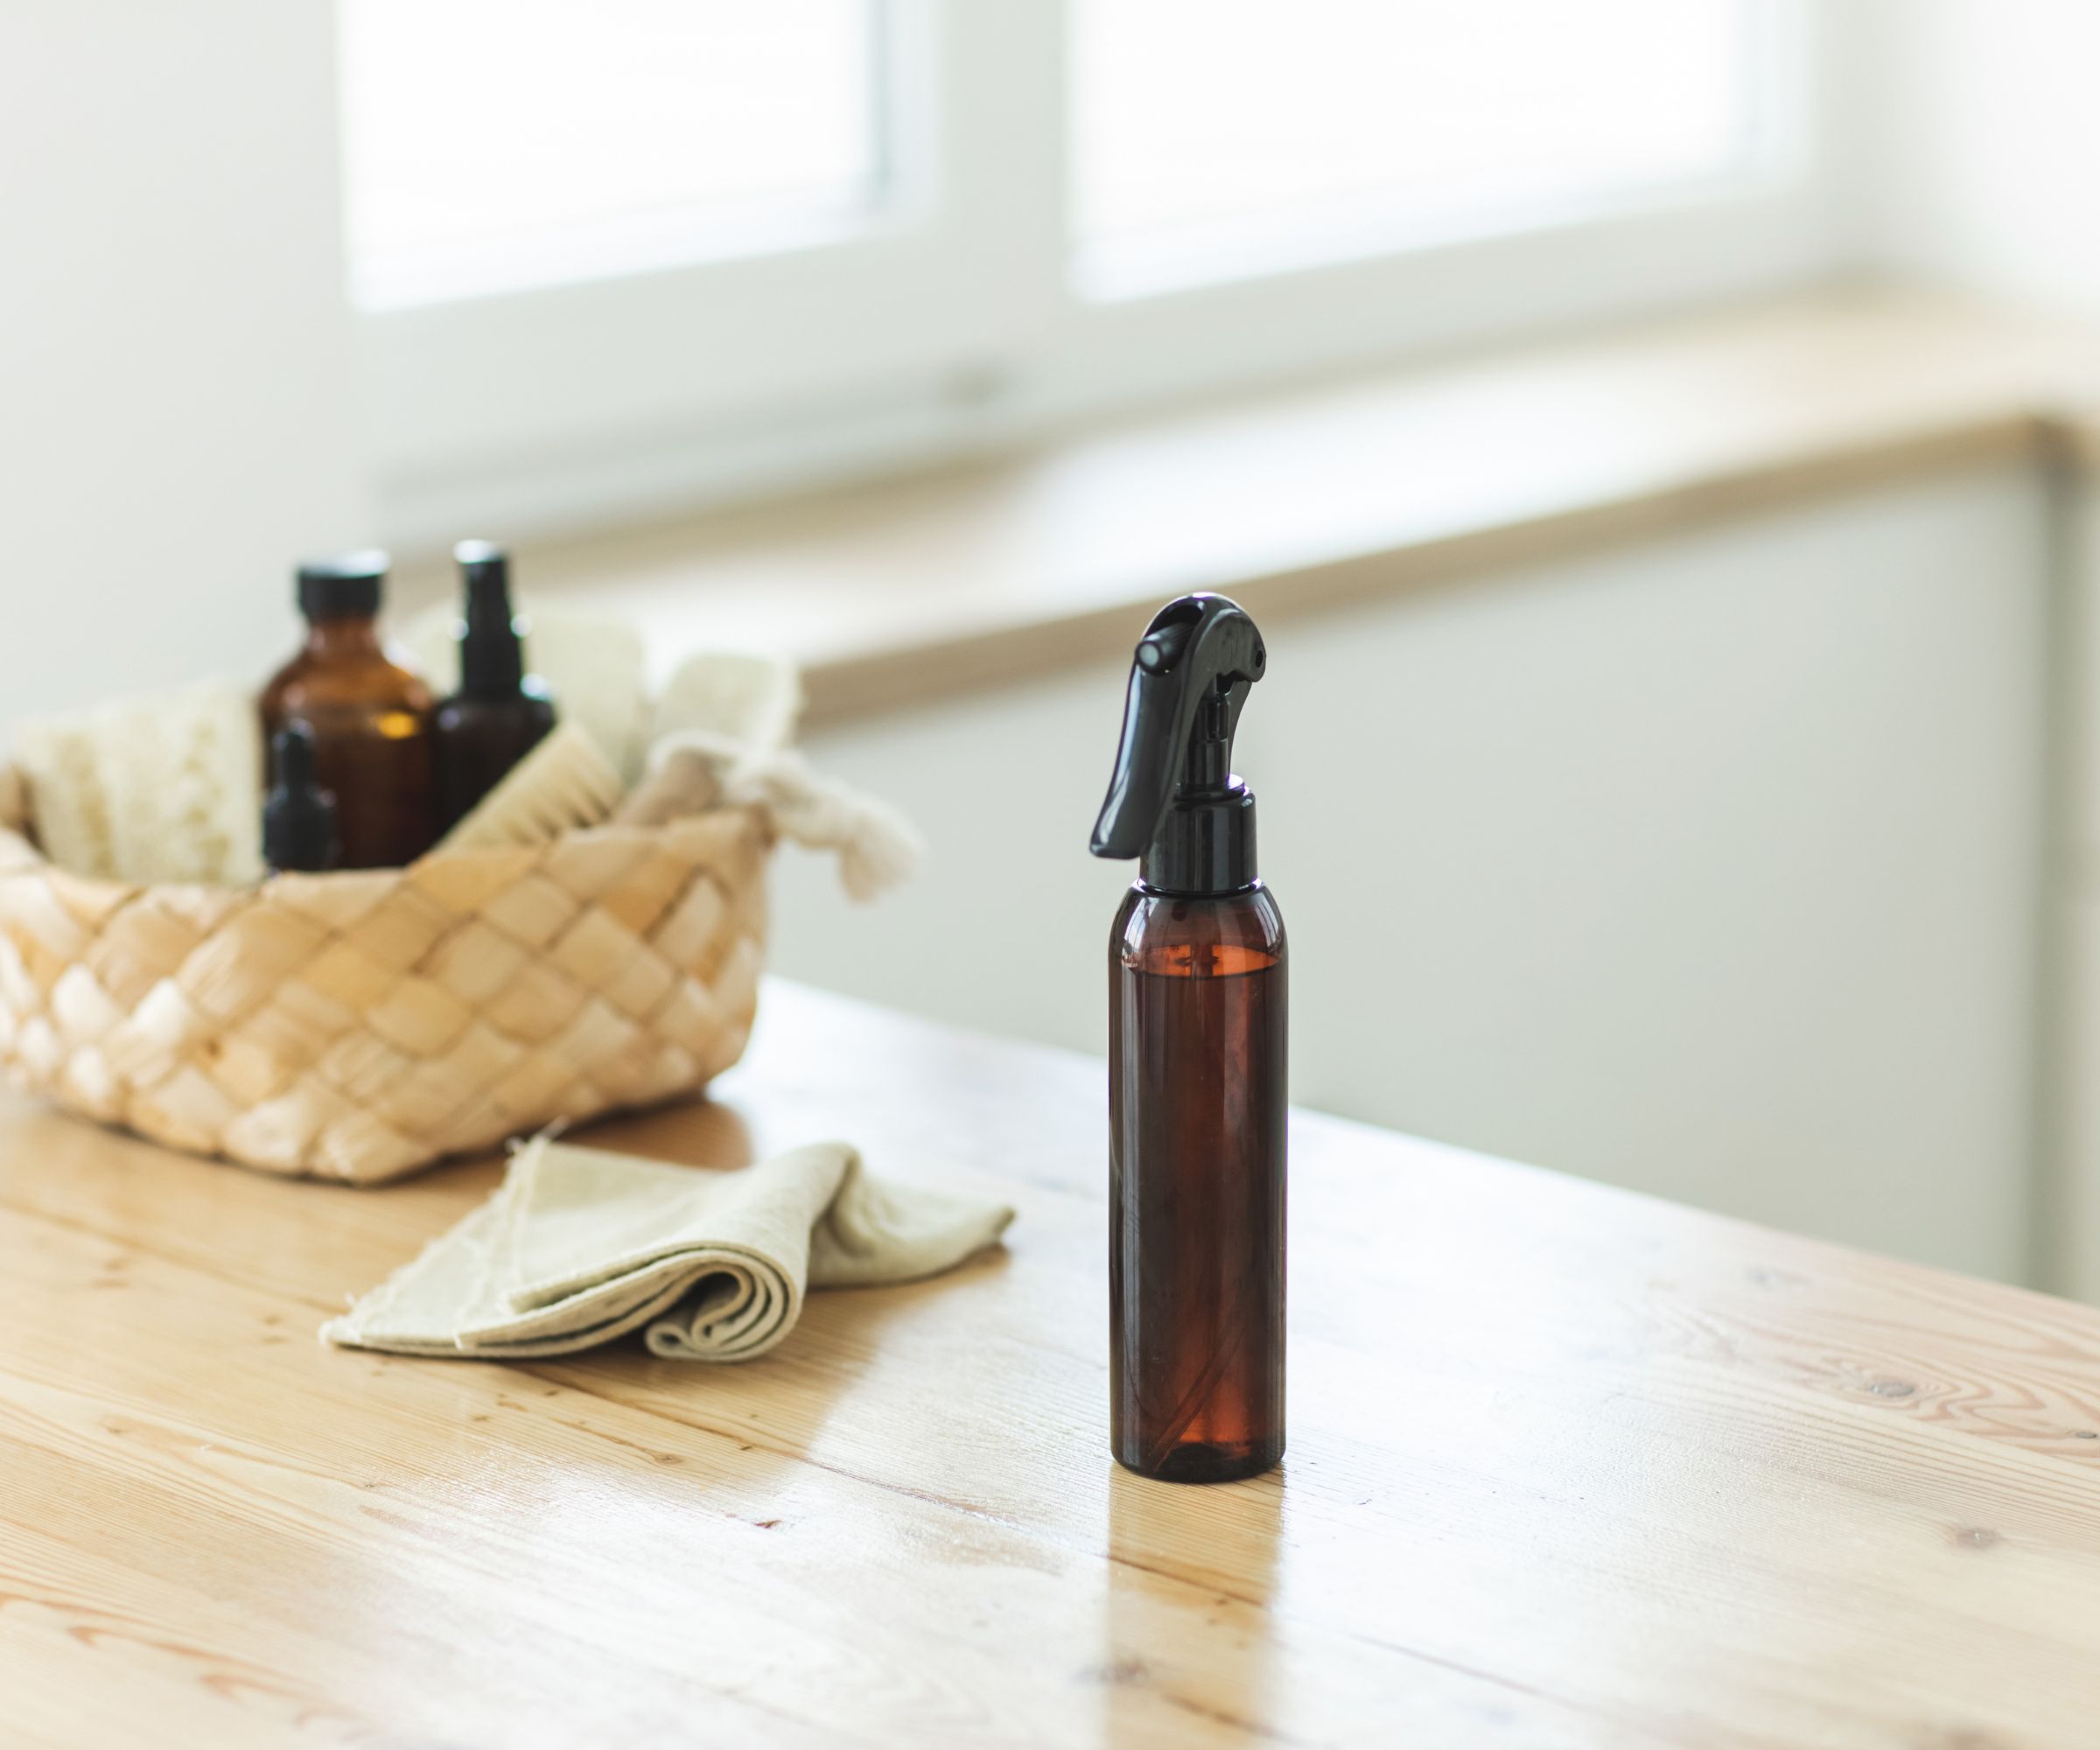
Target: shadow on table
(1192, 1570)
(879, 1342)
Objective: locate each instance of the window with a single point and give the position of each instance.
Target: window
(624, 257)
(494, 144)
(1218, 138)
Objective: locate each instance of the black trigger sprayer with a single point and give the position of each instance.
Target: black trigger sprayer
(1196, 1068)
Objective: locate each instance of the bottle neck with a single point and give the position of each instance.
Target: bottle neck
(1204, 845)
(349, 635)
(492, 650)
(491, 664)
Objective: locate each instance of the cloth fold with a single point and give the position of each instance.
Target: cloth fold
(579, 1246)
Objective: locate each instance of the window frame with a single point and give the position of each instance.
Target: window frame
(951, 321)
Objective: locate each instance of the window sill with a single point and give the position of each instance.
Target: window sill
(895, 594)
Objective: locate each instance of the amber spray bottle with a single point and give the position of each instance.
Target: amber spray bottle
(1196, 1069)
(501, 713)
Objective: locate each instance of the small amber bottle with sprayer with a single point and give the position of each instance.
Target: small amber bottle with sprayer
(369, 715)
(500, 713)
(1196, 1069)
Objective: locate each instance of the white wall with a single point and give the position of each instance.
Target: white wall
(1977, 139)
(1711, 867)
(1976, 142)
(175, 400)
(2070, 1214)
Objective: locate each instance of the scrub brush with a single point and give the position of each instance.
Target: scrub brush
(564, 783)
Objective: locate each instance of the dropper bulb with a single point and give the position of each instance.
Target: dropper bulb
(294, 748)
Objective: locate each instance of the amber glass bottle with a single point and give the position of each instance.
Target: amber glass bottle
(1197, 1040)
(370, 715)
(1197, 1058)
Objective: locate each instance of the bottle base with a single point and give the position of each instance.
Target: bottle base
(1199, 1461)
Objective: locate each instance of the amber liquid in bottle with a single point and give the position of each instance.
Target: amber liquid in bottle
(371, 723)
(1197, 1102)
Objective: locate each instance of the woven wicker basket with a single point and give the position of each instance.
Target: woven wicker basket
(361, 1025)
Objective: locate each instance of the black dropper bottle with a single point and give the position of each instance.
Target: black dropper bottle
(1196, 1069)
(298, 817)
(499, 711)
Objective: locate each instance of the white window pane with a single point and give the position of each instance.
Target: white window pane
(494, 142)
(1259, 131)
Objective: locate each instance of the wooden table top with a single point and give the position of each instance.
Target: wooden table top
(1567, 1466)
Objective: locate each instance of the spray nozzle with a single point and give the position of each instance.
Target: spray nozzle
(1173, 799)
(491, 653)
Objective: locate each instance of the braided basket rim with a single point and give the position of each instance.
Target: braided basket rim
(650, 980)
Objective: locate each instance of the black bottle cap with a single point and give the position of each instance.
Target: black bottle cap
(345, 587)
(1173, 798)
(298, 817)
(491, 644)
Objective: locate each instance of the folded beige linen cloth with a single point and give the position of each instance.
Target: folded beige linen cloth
(579, 1246)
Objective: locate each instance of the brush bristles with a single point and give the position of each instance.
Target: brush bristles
(562, 784)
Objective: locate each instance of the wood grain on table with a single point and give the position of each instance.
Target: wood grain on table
(1567, 1466)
